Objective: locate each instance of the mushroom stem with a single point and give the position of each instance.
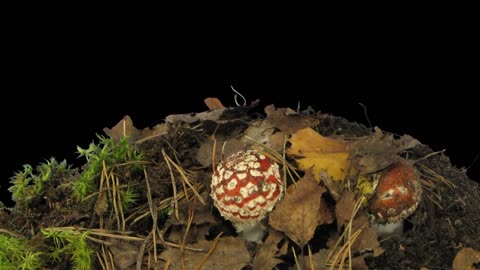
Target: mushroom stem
(389, 229)
(253, 232)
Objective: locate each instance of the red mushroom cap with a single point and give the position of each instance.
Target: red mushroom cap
(246, 186)
(397, 194)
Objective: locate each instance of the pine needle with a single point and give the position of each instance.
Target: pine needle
(204, 259)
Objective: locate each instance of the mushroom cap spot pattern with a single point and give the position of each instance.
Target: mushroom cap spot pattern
(246, 186)
(397, 195)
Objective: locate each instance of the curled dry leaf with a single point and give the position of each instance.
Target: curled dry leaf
(124, 128)
(301, 211)
(268, 252)
(287, 120)
(213, 115)
(213, 103)
(465, 259)
(229, 253)
(323, 154)
(194, 117)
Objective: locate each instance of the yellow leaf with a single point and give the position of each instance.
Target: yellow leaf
(322, 154)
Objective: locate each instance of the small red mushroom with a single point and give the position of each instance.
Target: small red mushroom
(397, 195)
(245, 187)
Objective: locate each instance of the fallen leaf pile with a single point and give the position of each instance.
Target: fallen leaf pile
(319, 224)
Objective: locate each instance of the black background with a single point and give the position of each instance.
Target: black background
(57, 95)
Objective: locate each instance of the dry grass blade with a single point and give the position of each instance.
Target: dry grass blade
(112, 261)
(101, 259)
(191, 214)
(154, 214)
(174, 186)
(142, 250)
(183, 174)
(435, 177)
(143, 210)
(344, 250)
(214, 155)
(297, 262)
(350, 239)
(287, 168)
(204, 259)
(310, 258)
(429, 179)
(167, 264)
(120, 204)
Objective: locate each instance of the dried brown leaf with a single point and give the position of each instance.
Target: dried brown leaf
(176, 233)
(213, 103)
(287, 120)
(323, 154)
(124, 128)
(201, 213)
(344, 208)
(150, 133)
(262, 131)
(368, 238)
(378, 151)
(318, 260)
(301, 211)
(358, 263)
(268, 252)
(465, 259)
(229, 253)
(125, 252)
(204, 154)
(194, 117)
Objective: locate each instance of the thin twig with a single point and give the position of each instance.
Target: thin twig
(204, 259)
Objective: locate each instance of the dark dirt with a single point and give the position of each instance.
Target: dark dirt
(433, 235)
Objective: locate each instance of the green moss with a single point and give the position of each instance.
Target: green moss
(29, 183)
(108, 152)
(72, 245)
(15, 254)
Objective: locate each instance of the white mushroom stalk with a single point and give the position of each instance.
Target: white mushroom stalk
(245, 187)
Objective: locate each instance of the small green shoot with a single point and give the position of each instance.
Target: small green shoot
(106, 151)
(15, 254)
(70, 244)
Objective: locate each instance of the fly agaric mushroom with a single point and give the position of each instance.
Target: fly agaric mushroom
(396, 197)
(245, 187)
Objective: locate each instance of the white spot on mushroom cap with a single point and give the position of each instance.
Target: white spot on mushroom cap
(234, 170)
(241, 176)
(232, 184)
(250, 157)
(227, 174)
(219, 190)
(273, 187)
(241, 166)
(255, 173)
(247, 190)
